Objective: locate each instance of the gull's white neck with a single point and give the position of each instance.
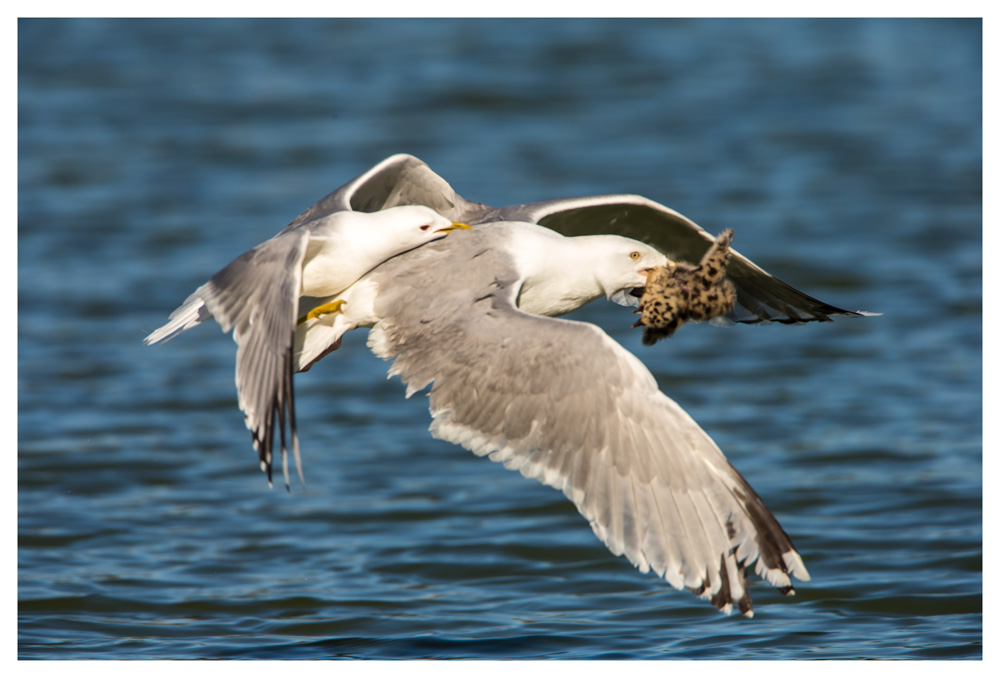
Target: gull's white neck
(559, 274)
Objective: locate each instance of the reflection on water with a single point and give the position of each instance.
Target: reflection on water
(847, 157)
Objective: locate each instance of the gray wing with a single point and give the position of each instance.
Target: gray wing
(563, 403)
(257, 297)
(398, 180)
(760, 297)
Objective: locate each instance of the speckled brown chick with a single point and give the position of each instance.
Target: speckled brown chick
(680, 292)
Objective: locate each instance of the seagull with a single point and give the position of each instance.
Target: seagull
(560, 400)
(257, 296)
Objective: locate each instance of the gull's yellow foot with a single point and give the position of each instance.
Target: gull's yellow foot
(322, 309)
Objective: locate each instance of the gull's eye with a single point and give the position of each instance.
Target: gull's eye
(635, 256)
(425, 227)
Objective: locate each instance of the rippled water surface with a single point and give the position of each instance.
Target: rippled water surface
(847, 157)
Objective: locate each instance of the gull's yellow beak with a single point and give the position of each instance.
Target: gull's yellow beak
(454, 225)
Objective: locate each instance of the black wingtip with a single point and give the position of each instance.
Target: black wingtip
(281, 406)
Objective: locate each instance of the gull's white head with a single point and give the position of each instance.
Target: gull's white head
(562, 274)
(623, 265)
(412, 225)
(349, 244)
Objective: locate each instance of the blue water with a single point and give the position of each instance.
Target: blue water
(847, 156)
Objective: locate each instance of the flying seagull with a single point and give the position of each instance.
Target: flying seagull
(560, 400)
(257, 296)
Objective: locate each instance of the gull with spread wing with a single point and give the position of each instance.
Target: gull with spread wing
(257, 296)
(560, 400)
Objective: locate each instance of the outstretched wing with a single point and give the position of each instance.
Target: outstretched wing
(406, 180)
(563, 403)
(398, 180)
(760, 297)
(256, 296)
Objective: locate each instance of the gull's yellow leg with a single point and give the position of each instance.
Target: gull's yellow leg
(322, 309)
